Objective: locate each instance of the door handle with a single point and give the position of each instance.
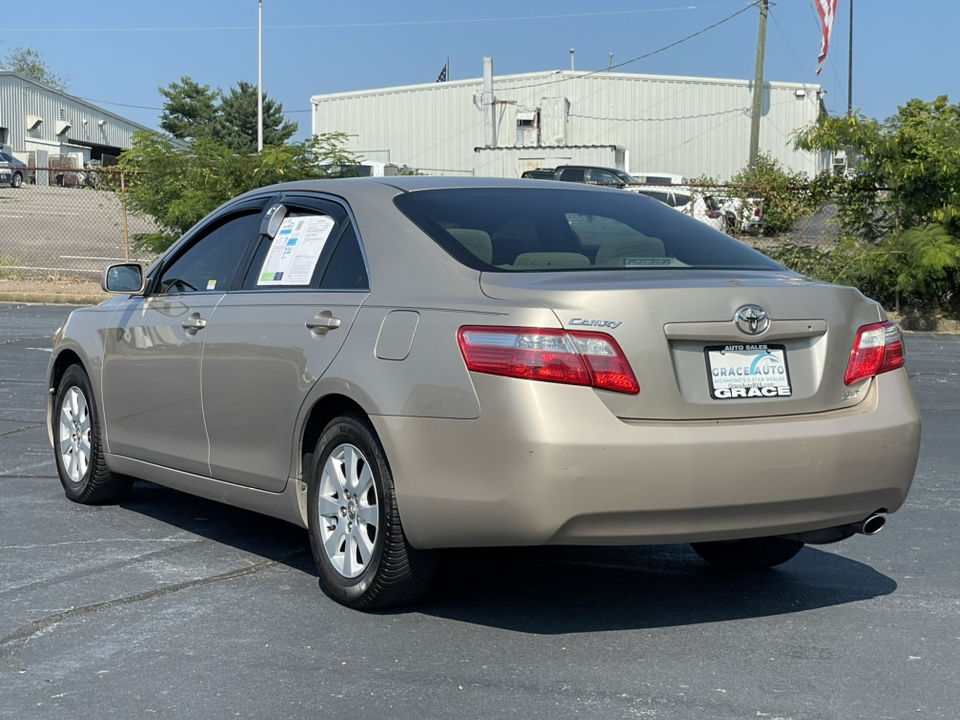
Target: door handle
(193, 323)
(325, 323)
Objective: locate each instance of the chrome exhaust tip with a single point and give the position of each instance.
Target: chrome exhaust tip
(871, 526)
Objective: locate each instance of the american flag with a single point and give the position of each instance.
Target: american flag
(443, 75)
(827, 10)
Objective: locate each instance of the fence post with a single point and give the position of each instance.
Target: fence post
(123, 206)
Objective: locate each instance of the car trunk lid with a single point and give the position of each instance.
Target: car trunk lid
(694, 358)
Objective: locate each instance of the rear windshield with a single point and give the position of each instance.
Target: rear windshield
(545, 230)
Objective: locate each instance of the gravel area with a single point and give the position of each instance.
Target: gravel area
(52, 286)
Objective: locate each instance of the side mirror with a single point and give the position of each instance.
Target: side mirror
(125, 279)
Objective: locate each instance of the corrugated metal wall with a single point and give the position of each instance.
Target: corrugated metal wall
(512, 161)
(21, 97)
(690, 126)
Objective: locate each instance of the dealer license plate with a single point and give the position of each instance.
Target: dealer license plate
(747, 371)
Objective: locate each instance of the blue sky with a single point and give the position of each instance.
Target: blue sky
(118, 52)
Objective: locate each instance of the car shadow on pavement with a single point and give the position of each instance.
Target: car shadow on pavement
(243, 530)
(557, 590)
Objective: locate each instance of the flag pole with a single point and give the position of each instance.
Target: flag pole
(259, 75)
(448, 64)
(850, 68)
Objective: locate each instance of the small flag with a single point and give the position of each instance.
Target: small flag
(827, 10)
(443, 75)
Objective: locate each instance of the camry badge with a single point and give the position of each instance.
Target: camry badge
(752, 320)
(595, 323)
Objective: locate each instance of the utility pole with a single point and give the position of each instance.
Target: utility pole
(259, 75)
(850, 70)
(758, 85)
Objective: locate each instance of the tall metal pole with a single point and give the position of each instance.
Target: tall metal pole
(259, 75)
(758, 85)
(850, 70)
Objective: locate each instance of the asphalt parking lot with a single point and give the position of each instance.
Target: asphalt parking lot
(60, 230)
(172, 606)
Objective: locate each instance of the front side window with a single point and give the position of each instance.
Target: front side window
(570, 229)
(211, 262)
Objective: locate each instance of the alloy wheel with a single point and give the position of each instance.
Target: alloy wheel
(349, 510)
(74, 435)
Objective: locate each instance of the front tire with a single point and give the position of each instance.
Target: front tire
(77, 444)
(750, 554)
(364, 559)
(17, 180)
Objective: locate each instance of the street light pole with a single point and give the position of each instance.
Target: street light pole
(260, 75)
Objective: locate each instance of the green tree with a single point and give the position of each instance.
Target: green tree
(178, 188)
(900, 199)
(190, 109)
(236, 125)
(27, 61)
(787, 196)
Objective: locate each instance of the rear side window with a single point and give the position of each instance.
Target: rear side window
(572, 175)
(539, 230)
(347, 270)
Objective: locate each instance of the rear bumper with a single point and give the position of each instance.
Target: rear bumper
(549, 464)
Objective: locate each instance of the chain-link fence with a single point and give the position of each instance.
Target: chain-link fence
(72, 226)
(74, 222)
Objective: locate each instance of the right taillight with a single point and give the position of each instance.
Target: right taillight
(877, 349)
(547, 354)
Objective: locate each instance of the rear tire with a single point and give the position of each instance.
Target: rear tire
(364, 559)
(77, 436)
(750, 554)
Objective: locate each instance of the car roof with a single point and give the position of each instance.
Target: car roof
(346, 187)
(593, 167)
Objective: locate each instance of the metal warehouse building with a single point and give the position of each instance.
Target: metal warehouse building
(39, 123)
(639, 123)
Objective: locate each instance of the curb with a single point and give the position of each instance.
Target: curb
(32, 298)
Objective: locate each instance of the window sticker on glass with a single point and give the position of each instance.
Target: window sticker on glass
(295, 250)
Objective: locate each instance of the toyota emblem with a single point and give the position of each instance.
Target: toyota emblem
(752, 320)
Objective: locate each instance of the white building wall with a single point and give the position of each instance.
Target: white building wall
(690, 126)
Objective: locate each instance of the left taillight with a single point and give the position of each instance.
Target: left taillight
(877, 349)
(550, 355)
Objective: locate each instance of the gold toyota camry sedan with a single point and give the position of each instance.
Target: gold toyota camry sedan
(406, 364)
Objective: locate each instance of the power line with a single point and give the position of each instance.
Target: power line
(107, 102)
(651, 53)
(785, 40)
(147, 107)
(405, 23)
(550, 82)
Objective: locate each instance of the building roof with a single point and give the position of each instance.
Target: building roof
(558, 76)
(80, 101)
